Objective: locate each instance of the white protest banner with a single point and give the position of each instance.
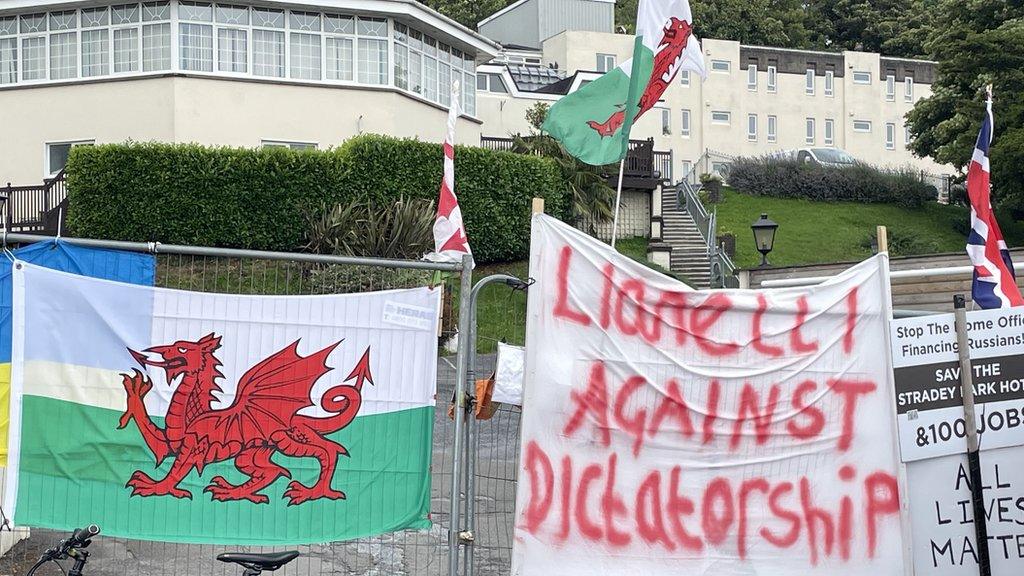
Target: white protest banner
(927, 375)
(943, 520)
(667, 431)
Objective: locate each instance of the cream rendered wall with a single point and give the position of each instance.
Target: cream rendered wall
(106, 112)
(233, 113)
(206, 111)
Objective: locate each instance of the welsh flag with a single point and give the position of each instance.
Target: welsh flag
(593, 123)
(219, 419)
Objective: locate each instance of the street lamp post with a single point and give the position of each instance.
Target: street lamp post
(764, 237)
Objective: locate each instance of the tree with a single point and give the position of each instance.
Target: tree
(891, 27)
(591, 195)
(763, 22)
(467, 12)
(976, 42)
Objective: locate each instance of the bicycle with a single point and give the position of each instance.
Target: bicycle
(75, 546)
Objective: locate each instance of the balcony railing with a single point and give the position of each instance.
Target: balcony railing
(35, 208)
(642, 160)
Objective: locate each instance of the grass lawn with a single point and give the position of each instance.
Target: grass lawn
(815, 232)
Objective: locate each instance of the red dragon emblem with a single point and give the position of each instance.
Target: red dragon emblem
(262, 420)
(666, 66)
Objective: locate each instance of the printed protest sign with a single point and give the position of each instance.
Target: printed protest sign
(212, 418)
(927, 376)
(943, 520)
(667, 431)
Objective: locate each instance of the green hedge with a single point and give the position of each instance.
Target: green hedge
(258, 198)
(787, 178)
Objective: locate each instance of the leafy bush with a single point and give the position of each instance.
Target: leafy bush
(260, 198)
(403, 229)
(785, 178)
(902, 243)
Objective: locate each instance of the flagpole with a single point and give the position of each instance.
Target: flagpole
(618, 202)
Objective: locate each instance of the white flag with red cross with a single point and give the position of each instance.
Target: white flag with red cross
(450, 241)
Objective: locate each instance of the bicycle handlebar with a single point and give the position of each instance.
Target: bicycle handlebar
(82, 536)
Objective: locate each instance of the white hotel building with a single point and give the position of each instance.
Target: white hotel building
(312, 73)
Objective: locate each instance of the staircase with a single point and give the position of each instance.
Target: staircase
(689, 257)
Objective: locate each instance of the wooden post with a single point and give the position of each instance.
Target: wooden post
(538, 206)
(882, 234)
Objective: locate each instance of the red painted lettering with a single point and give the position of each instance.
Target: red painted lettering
(714, 391)
(608, 273)
(679, 506)
(566, 484)
(850, 390)
(670, 310)
(562, 309)
(750, 407)
(815, 417)
(815, 516)
(796, 339)
(672, 406)
(882, 499)
(851, 320)
(643, 322)
(649, 522)
(588, 529)
(542, 479)
(748, 486)
(633, 425)
(704, 317)
(781, 513)
(593, 402)
(612, 505)
(717, 511)
(759, 345)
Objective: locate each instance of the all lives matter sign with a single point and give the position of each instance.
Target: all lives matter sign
(927, 373)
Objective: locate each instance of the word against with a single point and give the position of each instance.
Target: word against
(928, 390)
(943, 517)
(667, 430)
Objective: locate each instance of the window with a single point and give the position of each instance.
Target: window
(63, 55)
(687, 169)
(95, 52)
(232, 43)
(809, 138)
(126, 50)
(773, 79)
(862, 126)
(752, 127)
(428, 67)
(373, 62)
(890, 87)
(289, 145)
(605, 62)
(890, 136)
(33, 58)
(305, 61)
(156, 47)
(684, 77)
(721, 117)
(340, 58)
(809, 82)
(666, 121)
(861, 77)
(491, 83)
(773, 129)
(906, 135)
(57, 155)
(830, 132)
(196, 42)
(908, 88)
(752, 77)
(722, 66)
(8, 59)
(268, 42)
(684, 124)
(830, 83)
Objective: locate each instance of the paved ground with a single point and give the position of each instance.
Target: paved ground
(400, 554)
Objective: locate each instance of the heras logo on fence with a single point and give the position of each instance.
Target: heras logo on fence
(295, 453)
(731, 432)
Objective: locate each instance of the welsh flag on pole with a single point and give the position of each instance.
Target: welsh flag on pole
(593, 123)
(450, 241)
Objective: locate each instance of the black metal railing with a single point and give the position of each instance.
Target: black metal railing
(36, 208)
(642, 160)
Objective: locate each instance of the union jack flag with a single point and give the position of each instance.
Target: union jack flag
(995, 284)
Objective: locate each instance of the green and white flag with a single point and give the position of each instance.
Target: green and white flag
(210, 418)
(593, 123)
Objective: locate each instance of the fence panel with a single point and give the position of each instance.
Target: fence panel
(408, 553)
(501, 317)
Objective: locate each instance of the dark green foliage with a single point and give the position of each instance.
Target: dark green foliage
(401, 229)
(903, 242)
(783, 178)
(260, 198)
(976, 43)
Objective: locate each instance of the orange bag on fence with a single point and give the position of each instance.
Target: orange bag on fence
(485, 408)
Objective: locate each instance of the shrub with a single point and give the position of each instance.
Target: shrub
(260, 198)
(786, 178)
(902, 243)
(402, 229)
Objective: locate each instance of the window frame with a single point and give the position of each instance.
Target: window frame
(890, 135)
(666, 121)
(908, 88)
(751, 127)
(829, 137)
(861, 73)
(772, 129)
(289, 144)
(602, 62)
(830, 83)
(71, 143)
(686, 123)
(773, 79)
(726, 113)
(726, 70)
(752, 77)
(868, 123)
(684, 78)
(810, 81)
(890, 87)
(810, 131)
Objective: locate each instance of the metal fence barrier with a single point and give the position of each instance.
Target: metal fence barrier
(412, 553)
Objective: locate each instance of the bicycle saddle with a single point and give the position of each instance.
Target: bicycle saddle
(269, 562)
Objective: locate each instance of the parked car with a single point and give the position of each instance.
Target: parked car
(832, 157)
